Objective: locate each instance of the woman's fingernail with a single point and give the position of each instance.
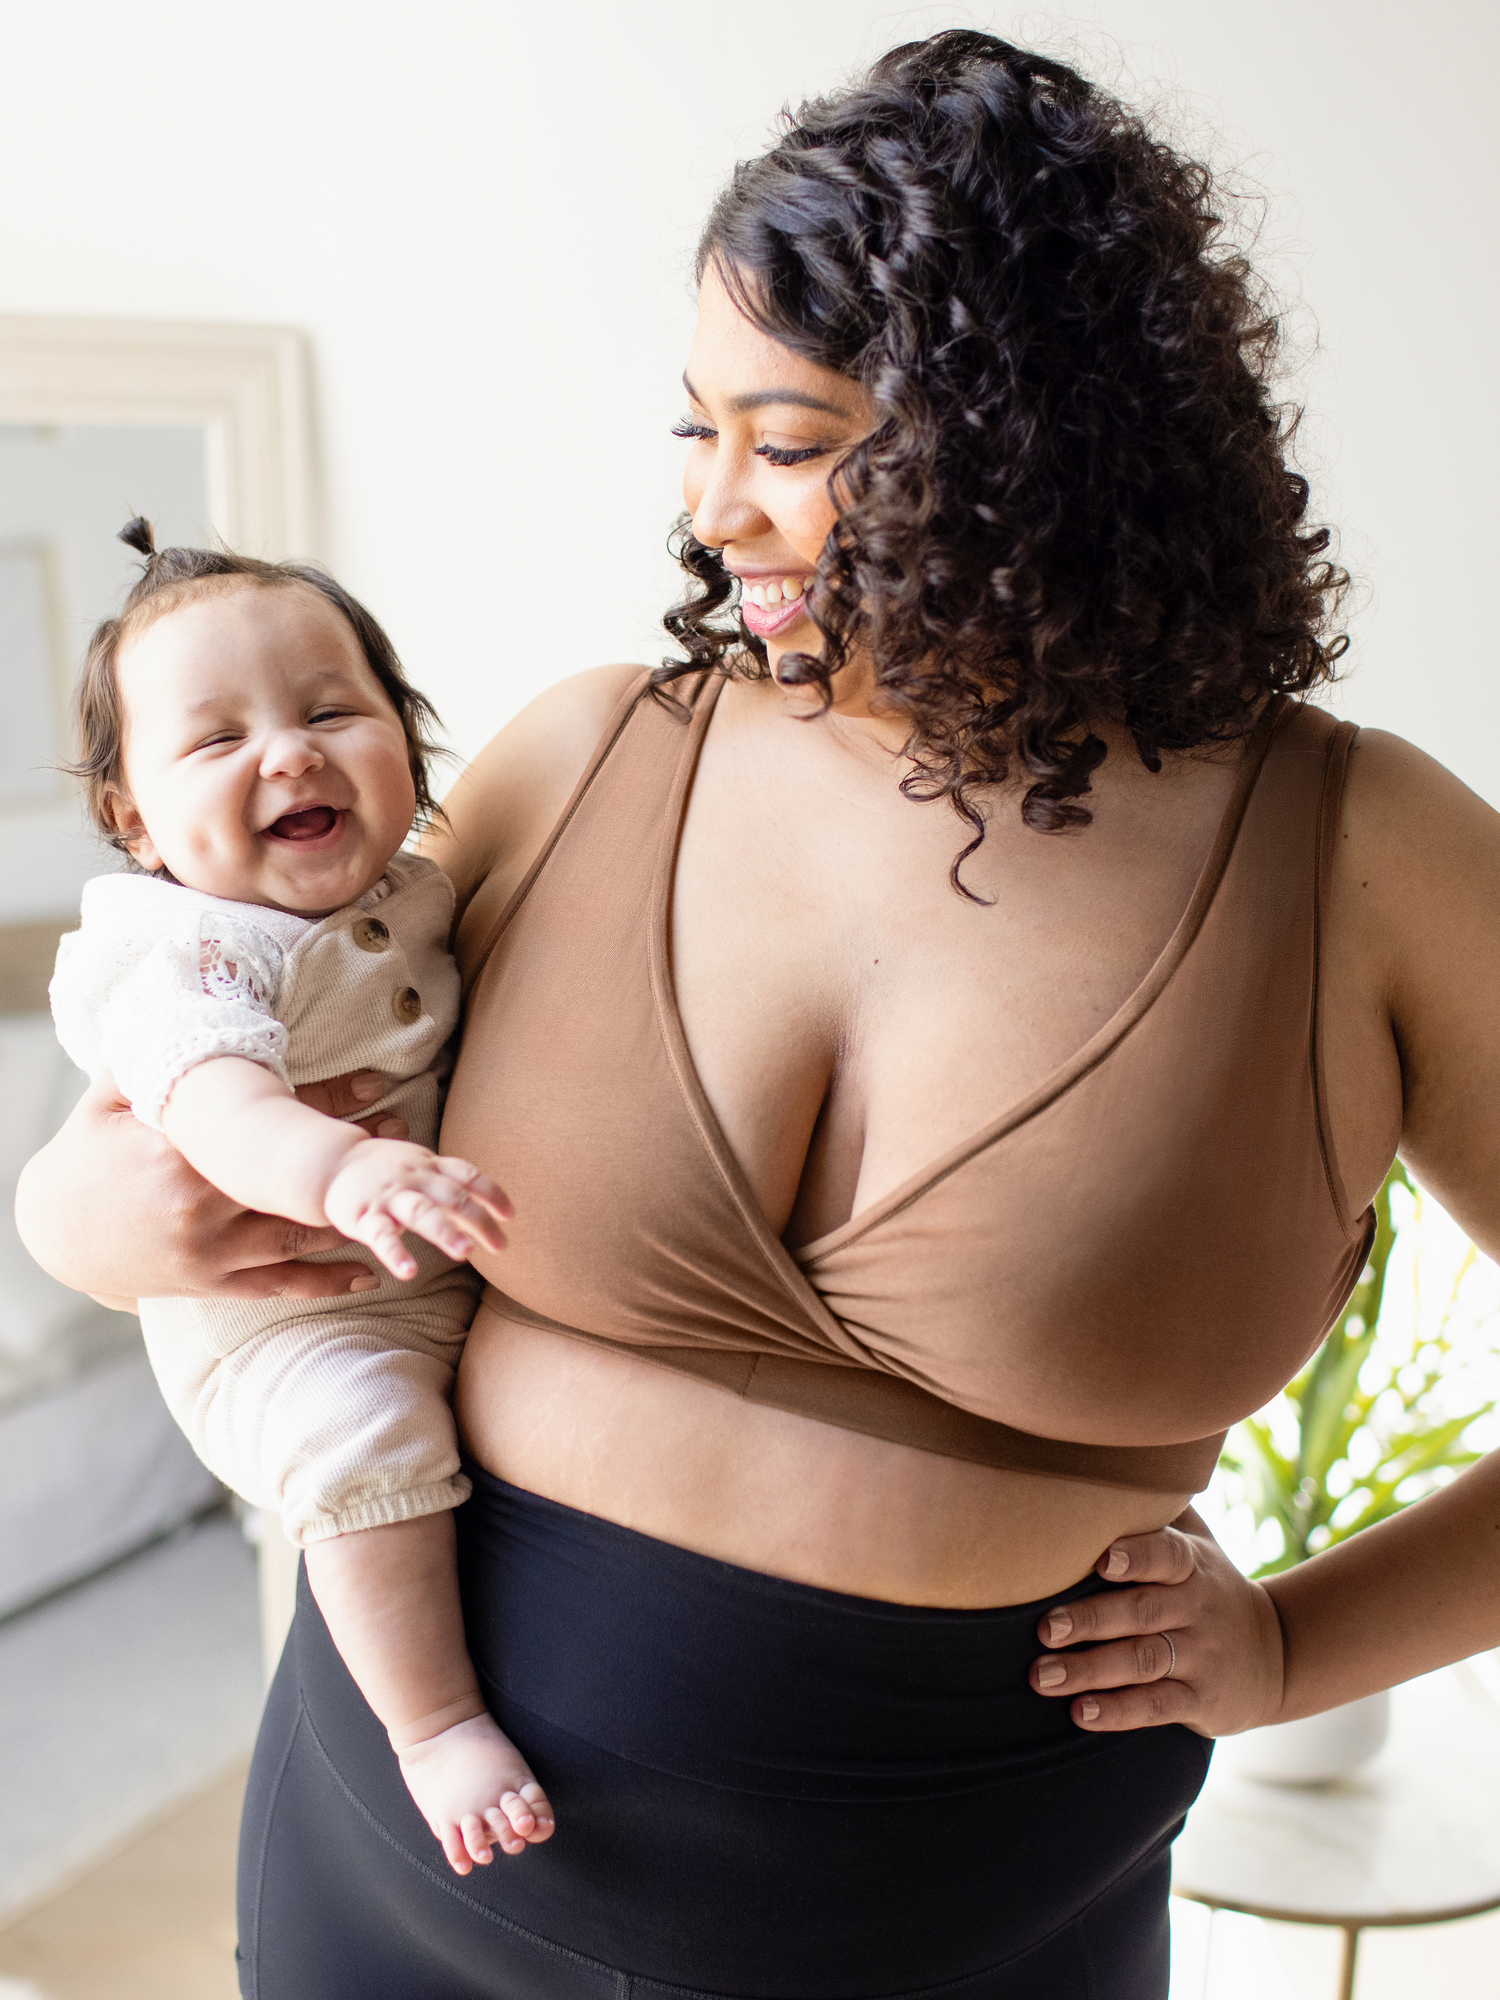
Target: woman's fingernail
(1059, 1625)
(368, 1283)
(1117, 1564)
(365, 1089)
(390, 1128)
(1051, 1674)
(1089, 1710)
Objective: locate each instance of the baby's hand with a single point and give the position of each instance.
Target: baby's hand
(475, 1790)
(386, 1185)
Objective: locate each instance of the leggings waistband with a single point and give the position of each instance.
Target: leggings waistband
(748, 1681)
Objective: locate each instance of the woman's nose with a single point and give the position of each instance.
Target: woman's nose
(290, 753)
(723, 511)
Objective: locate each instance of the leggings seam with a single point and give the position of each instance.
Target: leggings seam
(260, 1859)
(897, 1794)
(451, 1888)
(633, 1986)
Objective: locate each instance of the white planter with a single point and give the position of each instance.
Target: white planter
(1313, 1751)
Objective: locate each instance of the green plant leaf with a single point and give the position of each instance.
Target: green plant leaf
(1332, 1410)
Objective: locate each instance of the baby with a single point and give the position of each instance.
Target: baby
(250, 742)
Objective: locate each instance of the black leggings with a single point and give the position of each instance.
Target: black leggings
(762, 1790)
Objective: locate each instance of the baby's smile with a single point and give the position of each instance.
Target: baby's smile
(308, 826)
(264, 762)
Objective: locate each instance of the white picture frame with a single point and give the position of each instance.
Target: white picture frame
(247, 386)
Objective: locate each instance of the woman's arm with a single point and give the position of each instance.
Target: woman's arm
(1413, 954)
(111, 1208)
(504, 804)
(242, 1128)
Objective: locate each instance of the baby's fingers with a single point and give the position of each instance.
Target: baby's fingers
(384, 1238)
(440, 1212)
(477, 1185)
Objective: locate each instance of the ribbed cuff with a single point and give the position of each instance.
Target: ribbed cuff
(381, 1510)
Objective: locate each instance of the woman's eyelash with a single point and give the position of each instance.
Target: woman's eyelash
(775, 454)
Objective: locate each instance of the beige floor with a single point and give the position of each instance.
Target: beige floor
(153, 1921)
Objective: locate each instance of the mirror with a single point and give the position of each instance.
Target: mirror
(202, 429)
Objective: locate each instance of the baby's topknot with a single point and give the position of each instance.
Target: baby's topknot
(137, 535)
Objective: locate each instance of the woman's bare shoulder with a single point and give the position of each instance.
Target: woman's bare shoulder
(1417, 869)
(1407, 815)
(507, 801)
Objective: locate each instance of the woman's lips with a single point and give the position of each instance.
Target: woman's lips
(307, 827)
(766, 621)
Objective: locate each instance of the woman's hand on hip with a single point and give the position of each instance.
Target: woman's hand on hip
(111, 1208)
(1190, 1640)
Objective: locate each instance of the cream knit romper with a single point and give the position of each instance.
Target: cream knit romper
(332, 1412)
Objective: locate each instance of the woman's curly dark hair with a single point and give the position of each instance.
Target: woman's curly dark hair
(1075, 502)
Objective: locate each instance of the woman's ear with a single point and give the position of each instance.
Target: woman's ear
(128, 826)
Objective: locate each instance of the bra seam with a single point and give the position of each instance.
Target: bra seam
(794, 1281)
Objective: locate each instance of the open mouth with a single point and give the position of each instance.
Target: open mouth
(311, 823)
(767, 620)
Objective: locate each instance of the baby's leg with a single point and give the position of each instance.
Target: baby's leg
(390, 1598)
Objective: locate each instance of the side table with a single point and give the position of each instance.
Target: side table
(1412, 1838)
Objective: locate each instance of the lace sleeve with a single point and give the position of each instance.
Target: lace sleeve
(150, 1009)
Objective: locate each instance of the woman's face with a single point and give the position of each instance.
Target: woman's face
(768, 429)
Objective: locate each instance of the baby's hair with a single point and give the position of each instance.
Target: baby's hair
(170, 578)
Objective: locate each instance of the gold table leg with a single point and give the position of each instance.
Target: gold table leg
(1346, 1970)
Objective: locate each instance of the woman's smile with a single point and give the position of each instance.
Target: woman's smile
(771, 605)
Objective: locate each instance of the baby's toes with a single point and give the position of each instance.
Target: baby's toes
(528, 1811)
(506, 1837)
(457, 1853)
(477, 1838)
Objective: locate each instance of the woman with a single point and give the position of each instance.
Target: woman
(814, 1378)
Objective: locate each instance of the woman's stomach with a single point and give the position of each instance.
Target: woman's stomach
(632, 1442)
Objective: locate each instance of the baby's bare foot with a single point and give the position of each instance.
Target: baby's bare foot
(475, 1790)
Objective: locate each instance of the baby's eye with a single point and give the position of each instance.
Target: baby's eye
(328, 714)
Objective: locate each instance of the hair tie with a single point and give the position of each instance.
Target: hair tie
(137, 535)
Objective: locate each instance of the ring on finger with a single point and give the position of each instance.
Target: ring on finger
(1172, 1663)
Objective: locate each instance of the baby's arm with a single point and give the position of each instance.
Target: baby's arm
(243, 1130)
(390, 1599)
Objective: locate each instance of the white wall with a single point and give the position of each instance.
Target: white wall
(481, 213)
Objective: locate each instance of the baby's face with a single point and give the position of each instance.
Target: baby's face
(263, 760)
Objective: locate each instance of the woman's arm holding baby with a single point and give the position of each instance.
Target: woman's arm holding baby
(110, 1207)
(245, 1132)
